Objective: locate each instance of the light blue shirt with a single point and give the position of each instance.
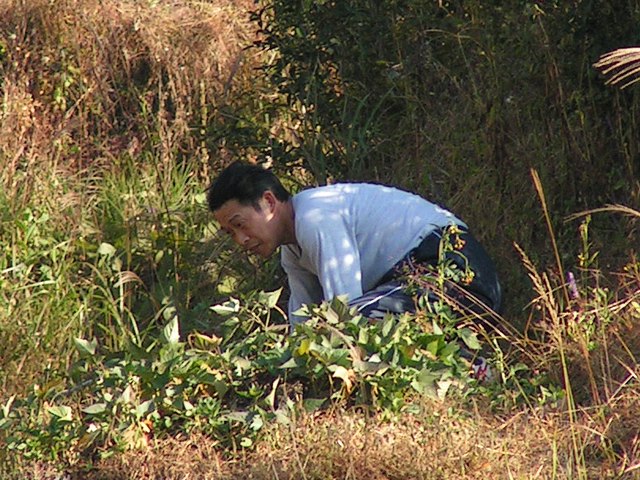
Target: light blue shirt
(349, 235)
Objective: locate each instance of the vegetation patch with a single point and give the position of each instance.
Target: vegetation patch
(138, 344)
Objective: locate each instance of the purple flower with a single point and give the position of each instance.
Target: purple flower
(573, 288)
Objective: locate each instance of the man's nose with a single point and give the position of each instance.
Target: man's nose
(241, 238)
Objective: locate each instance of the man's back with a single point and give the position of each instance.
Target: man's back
(349, 235)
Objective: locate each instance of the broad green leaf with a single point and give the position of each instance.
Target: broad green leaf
(95, 409)
(470, 339)
(313, 404)
(256, 423)
(171, 331)
(443, 388)
(369, 367)
(86, 347)
(227, 308)
(433, 347)
(425, 383)
(387, 326)
(246, 442)
(291, 363)
(62, 412)
(304, 347)
(145, 408)
(331, 315)
(449, 349)
(269, 299)
(242, 364)
(106, 249)
(436, 328)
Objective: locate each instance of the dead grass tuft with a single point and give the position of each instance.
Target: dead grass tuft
(444, 442)
(86, 80)
(171, 458)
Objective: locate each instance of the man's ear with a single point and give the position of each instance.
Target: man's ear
(270, 200)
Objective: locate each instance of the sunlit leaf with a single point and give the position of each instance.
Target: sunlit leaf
(304, 347)
(256, 423)
(242, 363)
(200, 198)
(269, 299)
(63, 413)
(145, 408)
(271, 398)
(227, 308)
(291, 363)
(282, 417)
(369, 367)
(171, 331)
(106, 249)
(86, 347)
(127, 395)
(227, 286)
(469, 338)
(237, 416)
(331, 315)
(6, 408)
(443, 388)
(436, 328)
(347, 376)
(95, 409)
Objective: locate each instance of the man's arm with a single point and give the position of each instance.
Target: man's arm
(304, 286)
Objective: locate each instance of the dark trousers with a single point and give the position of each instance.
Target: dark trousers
(396, 291)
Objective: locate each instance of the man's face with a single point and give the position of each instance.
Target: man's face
(255, 230)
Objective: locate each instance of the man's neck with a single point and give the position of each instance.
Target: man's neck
(288, 223)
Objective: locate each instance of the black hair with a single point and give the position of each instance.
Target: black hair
(245, 183)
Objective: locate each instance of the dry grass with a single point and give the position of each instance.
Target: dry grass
(84, 81)
(449, 440)
(621, 66)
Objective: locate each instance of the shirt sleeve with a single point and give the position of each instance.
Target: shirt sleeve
(304, 286)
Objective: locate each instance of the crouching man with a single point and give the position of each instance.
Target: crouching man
(355, 239)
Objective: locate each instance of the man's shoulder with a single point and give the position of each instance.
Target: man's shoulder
(322, 195)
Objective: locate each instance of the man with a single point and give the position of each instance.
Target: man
(353, 239)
